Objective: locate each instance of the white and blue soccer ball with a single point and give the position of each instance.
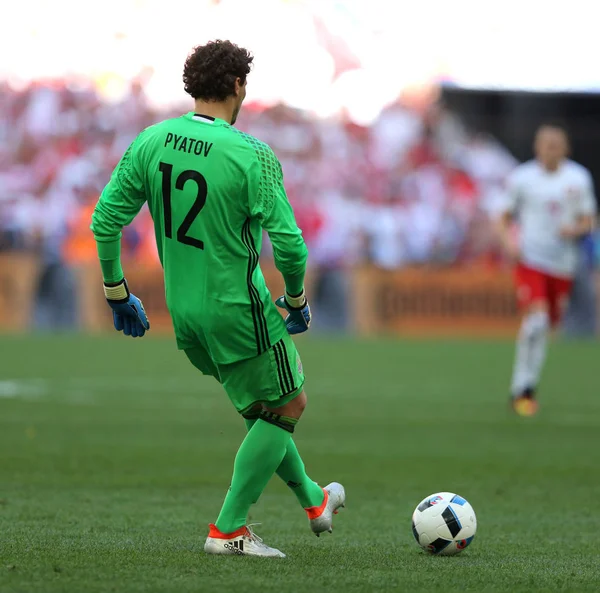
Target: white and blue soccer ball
(444, 524)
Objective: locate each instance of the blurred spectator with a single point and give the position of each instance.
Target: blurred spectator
(415, 188)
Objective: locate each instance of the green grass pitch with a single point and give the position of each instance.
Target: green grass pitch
(115, 455)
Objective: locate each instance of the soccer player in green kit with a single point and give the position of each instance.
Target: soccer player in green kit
(211, 190)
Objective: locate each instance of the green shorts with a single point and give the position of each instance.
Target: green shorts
(273, 378)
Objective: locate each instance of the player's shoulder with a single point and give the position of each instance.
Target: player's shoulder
(576, 170)
(530, 167)
(156, 129)
(524, 171)
(153, 137)
(147, 137)
(255, 148)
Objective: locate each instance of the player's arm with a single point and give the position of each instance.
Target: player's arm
(587, 212)
(583, 227)
(269, 203)
(119, 203)
(503, 223)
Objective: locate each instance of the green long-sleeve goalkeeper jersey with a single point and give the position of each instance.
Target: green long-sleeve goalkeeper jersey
(211, 189)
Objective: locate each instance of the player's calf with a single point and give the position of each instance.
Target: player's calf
(529, 358)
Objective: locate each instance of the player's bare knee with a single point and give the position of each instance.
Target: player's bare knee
(536, 322)
(300, 402)
(536, 307)
(293, 409)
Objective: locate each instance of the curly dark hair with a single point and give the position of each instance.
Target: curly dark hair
(210, 70)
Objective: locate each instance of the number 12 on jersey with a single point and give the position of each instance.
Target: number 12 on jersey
(202, 190)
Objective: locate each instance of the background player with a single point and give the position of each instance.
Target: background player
(211, 191)
(553, 199)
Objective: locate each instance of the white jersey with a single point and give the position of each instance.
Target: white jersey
(545, 202)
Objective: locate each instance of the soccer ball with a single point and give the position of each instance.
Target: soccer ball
(444, 523)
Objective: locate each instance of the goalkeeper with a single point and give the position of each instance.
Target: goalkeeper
(211, 190)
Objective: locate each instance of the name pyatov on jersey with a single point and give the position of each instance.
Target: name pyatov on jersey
(189, 145)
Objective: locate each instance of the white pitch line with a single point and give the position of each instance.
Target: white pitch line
(23, 388)
(90, 391)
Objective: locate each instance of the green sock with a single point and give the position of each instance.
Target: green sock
(292, 471)
(257, 459)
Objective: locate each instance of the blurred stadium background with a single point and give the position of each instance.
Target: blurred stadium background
(395, 141)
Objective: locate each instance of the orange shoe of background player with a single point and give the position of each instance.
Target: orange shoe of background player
(525, 406)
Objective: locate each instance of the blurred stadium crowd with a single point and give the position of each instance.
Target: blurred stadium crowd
(414, 188)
